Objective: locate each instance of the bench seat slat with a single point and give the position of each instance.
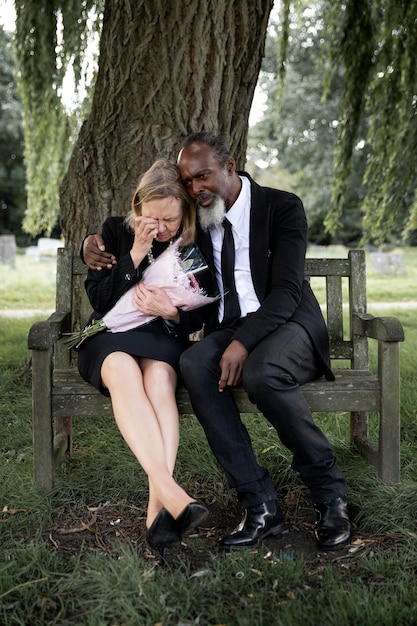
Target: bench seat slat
(351, 391)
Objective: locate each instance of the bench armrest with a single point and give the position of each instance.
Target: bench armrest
(43, 335)
(387, 329)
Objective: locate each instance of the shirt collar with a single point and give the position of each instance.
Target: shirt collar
(238, 210)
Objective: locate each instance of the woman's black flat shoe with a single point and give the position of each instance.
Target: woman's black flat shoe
(192, 516)
(164, 532)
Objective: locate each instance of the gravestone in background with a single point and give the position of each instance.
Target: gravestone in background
(388, 263)
(8, 250)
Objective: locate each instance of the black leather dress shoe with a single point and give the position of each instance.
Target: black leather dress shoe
(332, 529)
(164, 532)
(258, 522)
(192, 516)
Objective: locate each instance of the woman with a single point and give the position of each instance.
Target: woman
(139, 368)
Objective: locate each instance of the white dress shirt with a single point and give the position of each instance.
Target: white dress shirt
(239, 216)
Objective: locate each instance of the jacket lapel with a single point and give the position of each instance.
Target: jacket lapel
(259, 239)
(205, 245)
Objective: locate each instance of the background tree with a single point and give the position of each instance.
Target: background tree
(169, 68)
(165, 69)
(368, 70)
(50, 40)
(12, 169)
(295, 139)
(374, 44)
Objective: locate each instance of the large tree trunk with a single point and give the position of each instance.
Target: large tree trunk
(166, 69)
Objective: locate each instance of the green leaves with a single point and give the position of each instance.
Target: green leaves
(360, 55)
(51, 40)
(377, 55)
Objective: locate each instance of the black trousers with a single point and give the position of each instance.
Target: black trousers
(272, 375)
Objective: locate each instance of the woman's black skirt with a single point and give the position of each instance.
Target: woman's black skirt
(151, 341)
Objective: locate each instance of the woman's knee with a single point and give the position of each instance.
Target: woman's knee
(158, 374)
(118, 365)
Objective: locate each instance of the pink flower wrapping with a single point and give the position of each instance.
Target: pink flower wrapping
(176, 271)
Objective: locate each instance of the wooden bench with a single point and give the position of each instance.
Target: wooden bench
(59, 393)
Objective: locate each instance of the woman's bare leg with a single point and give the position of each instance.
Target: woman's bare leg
(139, 426)
(160, 381)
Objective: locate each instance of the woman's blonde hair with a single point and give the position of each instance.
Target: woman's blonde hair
(162, 180)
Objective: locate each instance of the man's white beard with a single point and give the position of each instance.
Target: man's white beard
(213, 215)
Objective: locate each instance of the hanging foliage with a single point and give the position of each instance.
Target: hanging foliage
(373, 45)
(392, 105)
(51, 38)
(352, 45)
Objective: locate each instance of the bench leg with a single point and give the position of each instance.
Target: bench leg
(42, 425)
(385, 456)
(63, 437)
(389, 427)
(359, 437)
(358, 425)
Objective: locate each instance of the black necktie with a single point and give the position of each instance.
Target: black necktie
(231, 301)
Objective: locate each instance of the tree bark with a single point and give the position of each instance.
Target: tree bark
(166, 69)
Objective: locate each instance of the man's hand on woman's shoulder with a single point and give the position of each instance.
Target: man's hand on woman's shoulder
(95, 255)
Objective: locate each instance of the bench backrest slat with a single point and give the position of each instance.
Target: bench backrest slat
(358, 304)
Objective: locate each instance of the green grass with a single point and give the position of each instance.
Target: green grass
(44, 584)
(31, 285)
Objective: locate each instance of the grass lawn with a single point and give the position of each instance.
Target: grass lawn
(78, 556)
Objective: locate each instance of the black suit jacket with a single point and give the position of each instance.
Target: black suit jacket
(277, 248)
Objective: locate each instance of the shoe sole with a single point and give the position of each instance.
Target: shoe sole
(194, 518)
(339, 546)
(277, 530)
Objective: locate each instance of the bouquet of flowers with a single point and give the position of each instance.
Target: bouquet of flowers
(179, 271)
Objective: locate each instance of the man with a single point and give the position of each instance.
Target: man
(270, 335)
